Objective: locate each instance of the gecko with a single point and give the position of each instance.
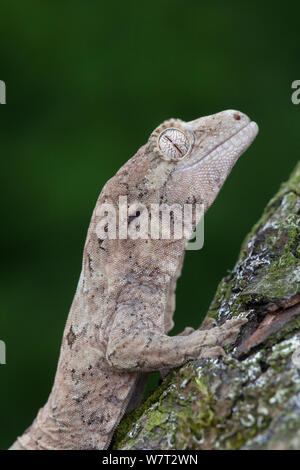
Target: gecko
(117, 328)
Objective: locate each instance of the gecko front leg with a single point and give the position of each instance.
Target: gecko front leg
(137, 344)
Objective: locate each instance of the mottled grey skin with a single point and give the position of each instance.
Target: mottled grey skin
(123, 307)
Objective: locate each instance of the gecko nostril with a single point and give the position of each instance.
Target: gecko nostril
(237, 117)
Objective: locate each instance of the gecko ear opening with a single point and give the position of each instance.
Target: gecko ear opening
(171, 141)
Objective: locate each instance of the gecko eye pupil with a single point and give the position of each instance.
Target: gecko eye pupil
(174, 144)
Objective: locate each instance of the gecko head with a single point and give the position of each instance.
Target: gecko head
(201, 153)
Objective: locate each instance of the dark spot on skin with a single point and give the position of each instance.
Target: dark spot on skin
(237, 117)
(90, 263)
(80, 399)
(132, 217)
(71, 337)
(100, 244)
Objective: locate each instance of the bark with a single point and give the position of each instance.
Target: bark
(250, 398)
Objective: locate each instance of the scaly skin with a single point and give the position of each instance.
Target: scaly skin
(117, 327)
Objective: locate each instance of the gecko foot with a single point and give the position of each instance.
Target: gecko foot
(221, 336)
(230, 330)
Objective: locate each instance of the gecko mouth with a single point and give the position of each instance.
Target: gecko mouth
(236, 144)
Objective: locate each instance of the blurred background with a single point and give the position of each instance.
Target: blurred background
(86, 84)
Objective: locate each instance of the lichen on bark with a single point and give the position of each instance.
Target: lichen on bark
(250, 398)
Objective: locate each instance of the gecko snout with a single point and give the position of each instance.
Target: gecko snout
(237, 117)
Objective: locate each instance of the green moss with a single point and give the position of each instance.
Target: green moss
(157, 418)
(129, 419)
(196, 417)
(268, 266)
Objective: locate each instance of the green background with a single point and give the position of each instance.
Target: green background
(86, 84)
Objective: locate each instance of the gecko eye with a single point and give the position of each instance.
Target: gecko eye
(172, 142)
